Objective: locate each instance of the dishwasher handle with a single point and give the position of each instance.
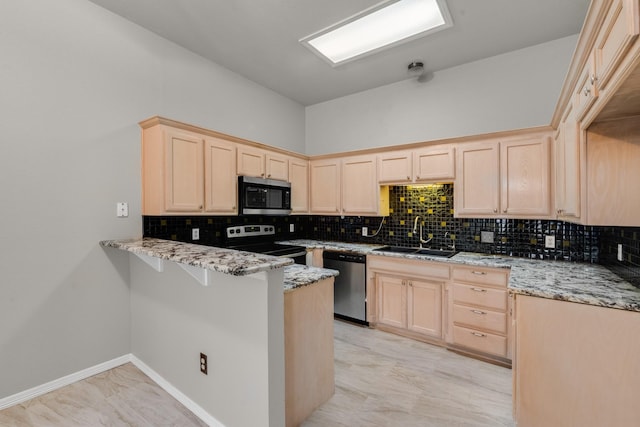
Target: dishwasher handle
(345, 256)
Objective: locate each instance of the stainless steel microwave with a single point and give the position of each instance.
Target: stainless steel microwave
(259, 196)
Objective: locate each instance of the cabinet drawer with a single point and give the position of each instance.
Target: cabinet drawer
(481, 341)
(482, 276)
(478, 295)
(480, 318)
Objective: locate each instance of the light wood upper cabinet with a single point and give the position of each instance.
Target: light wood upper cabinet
(172, 171)
(435, 163)
(395, 167)
(299, 178)
(276, 167)
(567, 167)
(183, 166)
(220, 178)
(251, 161)
(525, 169)
(360, 192)
(187, 173)
(476, 191)
(508, 178)
(429, 164)
(325, 186)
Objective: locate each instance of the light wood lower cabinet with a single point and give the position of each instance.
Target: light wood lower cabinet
(479, 312)
(575, 364)
(407, 296)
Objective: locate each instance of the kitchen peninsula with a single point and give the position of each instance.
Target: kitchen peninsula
(256, 355)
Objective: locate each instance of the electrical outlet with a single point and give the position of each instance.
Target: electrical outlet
(195, 234)
(204, 368)
(620, 252)
(292, 228)
(550, 242)
(122, 209)
(365, 231)
(486, 237)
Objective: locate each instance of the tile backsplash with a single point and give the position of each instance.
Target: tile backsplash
(434, 205)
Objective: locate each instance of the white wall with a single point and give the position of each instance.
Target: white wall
(510, 91)
(76, 80)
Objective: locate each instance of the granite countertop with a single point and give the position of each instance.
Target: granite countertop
(227, 261)
(296, 276)
(566, 281)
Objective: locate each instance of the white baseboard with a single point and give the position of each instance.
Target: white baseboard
(23, 396)
(177, 394)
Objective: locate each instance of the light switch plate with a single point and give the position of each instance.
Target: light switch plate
(486, 237)
(292, 228)
(550, 242)
(195, 234)
(122, 209)
(365, 230)
(620, 252)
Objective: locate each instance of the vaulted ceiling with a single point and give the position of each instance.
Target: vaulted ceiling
(258, 39)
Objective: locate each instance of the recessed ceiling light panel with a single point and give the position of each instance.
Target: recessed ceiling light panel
(387, 24)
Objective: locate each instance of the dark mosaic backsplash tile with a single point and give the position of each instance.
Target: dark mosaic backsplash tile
(212, 228)
(434, 205)
(629, 237)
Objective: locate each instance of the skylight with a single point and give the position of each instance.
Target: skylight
(385, 25)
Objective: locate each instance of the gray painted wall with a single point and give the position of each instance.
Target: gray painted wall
(510, 91)
(76, 79)
(236, 321)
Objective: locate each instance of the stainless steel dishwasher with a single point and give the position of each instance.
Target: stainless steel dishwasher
(350, 290)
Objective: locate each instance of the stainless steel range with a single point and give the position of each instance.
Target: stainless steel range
(261, 239)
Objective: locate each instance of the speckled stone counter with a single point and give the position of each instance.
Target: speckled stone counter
(227, 261)
(296, 276)
(576, 282)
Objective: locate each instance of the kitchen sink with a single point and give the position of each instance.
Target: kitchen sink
(417, 251)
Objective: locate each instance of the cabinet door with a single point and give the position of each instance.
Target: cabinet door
(424, 307)
(360, 194)
(250, 161)
(392, 301)
(526, 176)
(434, 164)
(299, 178)
(395, 167)
(476, 188)
(568, 190)
(220, 185)
(277, 167)
(184, 172)
(325, 186)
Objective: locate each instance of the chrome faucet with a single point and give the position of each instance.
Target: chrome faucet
(453, 241)
(415, 227)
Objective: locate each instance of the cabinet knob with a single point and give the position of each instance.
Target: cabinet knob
(478, 334)
(269, 176)
(478, 311)
(200, 207)
(586, 91)
(408, 178)
(417, 176)
(504, 211)
(594, 78)
(262, 174)
(495, 211)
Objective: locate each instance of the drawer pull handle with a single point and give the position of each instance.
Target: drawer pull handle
(478, 290)
(480, 273)
(478, 312)
(478, 334)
